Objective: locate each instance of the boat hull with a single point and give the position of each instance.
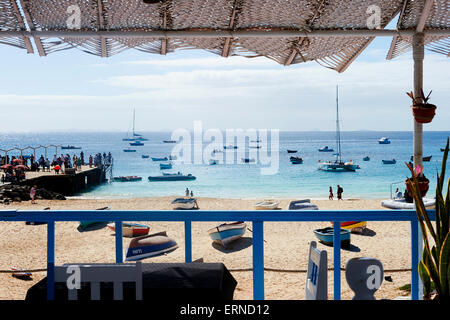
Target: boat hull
(326, 236)
(266, 205)
(183, 204)
(388, 161)
(402, 204)
(353, 226)
(131, 229)
(163, 166)
(171, 178)
(150, 246)
(160, 159)
(226, 233)
(127, 179)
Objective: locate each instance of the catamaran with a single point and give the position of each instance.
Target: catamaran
(337, 164)
(135, 136)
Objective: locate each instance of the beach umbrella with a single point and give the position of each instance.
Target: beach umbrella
(21, 166)
(6, 166)
(17, 161)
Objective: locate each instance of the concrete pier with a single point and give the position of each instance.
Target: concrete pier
(66, 184)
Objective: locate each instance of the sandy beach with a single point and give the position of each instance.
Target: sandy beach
(285, 248)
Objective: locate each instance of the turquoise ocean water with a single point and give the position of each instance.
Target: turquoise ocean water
(239, 180)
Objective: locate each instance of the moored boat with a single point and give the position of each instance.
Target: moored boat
(384, 140)
(145, 156)
(213, 162)
(226, 233)
(291, 151)
(389, 161)
(70, 147)
(325, 149)
(160, 159)
(129, 150)
(366, 158)
(266, 205)
(230, 147)
(426, 159)
(127, 178)
(184, 203)
(296, 160)
(326, 236)
(172, 177)
(163, 166)
(131, 229)
(169, 141)
(248, 160)
(150, 246)
(136, 143)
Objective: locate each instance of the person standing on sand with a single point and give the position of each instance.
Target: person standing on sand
(330, 197)
(33, 193)
(187, 192)
(339, 192)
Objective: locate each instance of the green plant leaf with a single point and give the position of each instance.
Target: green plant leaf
(424, 274)
(444, 258)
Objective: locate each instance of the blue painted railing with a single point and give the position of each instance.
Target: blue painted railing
(256, 217)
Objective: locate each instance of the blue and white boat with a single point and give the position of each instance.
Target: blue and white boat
(304, 204)
(163, 166)
(129, 150)
(384, 140)
(326, 149)
(160, 159)
(296, 160)
(136, 143)
(172, 177)
(150, 246)
(184, 203)
(326, 236)
(393, 161)
(226, 233)
(145, 156)
(366, 158)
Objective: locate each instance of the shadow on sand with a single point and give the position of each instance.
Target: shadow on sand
(367, 233)
(237, 245)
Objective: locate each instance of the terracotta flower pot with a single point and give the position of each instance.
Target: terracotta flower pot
(423, 186)
(424, 113)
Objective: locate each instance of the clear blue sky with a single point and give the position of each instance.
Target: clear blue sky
(75, 91)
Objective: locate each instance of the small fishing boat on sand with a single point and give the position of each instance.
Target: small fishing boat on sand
(19, 274)
(160, 159)
(403, 205)
(266, 205)
(291, 151)
(304, 204)
(296, 160)
(184, 204)
(127, 178)
(389, 161)
(131, 229)
(354, 226)
(84, 224)
(172, 177)
(226, 233)
(150, 246)
(163, 166)
(326, 236)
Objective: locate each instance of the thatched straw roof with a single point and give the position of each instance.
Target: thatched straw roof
(331, 32)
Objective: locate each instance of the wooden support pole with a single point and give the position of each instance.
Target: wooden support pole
(418, 56)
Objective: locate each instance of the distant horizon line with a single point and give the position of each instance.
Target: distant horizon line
(168, 131)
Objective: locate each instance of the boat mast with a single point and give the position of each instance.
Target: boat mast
(338, 133)
(134, 118)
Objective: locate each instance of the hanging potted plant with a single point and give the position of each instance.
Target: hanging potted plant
(423, 182)
(423, 112)
(434, 266)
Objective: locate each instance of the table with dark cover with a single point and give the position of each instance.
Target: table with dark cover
(161, 281)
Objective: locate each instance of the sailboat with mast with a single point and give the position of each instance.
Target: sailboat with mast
(338, 165)
(135, 136)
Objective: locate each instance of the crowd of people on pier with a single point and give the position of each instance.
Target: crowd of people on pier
(14, 167)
